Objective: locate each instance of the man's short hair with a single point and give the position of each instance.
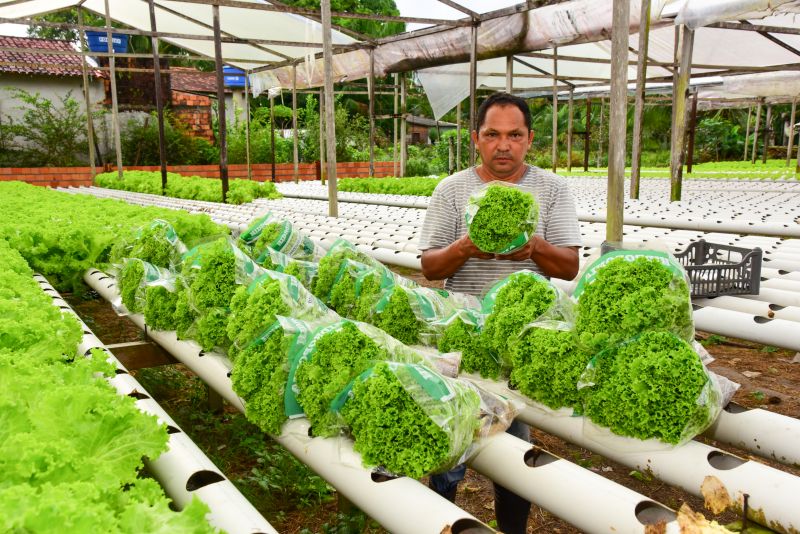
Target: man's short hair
(503, 99)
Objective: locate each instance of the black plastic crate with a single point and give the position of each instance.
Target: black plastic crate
(716, 270)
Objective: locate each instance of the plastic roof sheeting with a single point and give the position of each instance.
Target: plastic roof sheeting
(764, 84)
(697, 13)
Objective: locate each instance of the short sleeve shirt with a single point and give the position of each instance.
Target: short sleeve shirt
(444, 224)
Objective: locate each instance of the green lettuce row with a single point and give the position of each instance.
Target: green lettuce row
(390, 186)
(61, 235)
(392, 429)
(189, 187)
(629, 297)
(546, 365)
(652, 386)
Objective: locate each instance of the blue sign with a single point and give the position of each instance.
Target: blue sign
(233, 77)
(98, 41)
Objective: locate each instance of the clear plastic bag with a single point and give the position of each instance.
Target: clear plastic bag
(501, 217)
(461, 332)
(156, 243)
(304, 271)
(410, 420)
(651, 386)
(626, 292)
(270, 232)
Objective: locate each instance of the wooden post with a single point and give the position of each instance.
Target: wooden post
(330, 126)
(247, 124)
(601, 136)
(766, 134)
(113, 79)
(791, 132)
(692, 130)
(451, 164)
(272, 135)
(371, 111)
(617, 121)
(162, 144)
(754, 150)
(403, 127)
(395, 125)
(458, 137)
(295, 153)
(509, 74)
(679, 91)
(569, 129)
(322, 168)
(797, 160)
(638, 110)
(747, 135)
(587, 134)
(223, 126)
(87, 99)
(473, 81)
(555, 110)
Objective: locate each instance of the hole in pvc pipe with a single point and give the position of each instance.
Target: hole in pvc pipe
(137, 395)
(381, 477)
(776, 307)
(103, 278)
(761, 320)
(173, 430)
(120, 372)
(723, 461)
(467, 525)
(732, 407)
(201, 479)
(537, 457)
(651, 513)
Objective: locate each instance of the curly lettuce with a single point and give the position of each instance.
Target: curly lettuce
(504, 218)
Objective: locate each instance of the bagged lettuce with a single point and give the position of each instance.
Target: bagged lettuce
(270, 232)
(501, 217)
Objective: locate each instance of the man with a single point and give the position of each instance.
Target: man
(503, 137)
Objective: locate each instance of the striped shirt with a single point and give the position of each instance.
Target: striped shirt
(444, 223)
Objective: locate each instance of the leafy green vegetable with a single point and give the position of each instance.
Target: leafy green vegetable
(652, 386)
(629, 297)
(397, 318)
(463, 334)
(501, 218)
(390, 186)
(391, 428)
(159, 309)
(129, 281)
(546, 366)
(253, 309)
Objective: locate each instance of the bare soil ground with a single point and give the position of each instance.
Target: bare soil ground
(294, 501)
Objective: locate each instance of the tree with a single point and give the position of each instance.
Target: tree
(367, 27)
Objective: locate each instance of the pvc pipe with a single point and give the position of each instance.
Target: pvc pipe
(775, 296)
(777, 332)
(400, 505)
(588, 501)
(752, 307)
(782, 284)
(183, 460)
(772, 493)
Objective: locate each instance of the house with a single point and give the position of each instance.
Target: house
(418, 130)
(52, 76)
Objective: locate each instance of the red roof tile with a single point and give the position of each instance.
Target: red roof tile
(190, 80)
(31, 62)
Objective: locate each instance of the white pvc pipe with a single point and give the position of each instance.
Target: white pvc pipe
(400, 505)
(772, 493)
(776, 332)
(183, 459)
(752, 307)
(775, 296)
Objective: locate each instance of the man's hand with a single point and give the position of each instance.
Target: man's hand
(467, 249)
(525, 253)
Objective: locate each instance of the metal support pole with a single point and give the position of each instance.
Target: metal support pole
(330, 126)
(555, 110)
(569, 129)
(747, 134)
(223, 126)
(403, 127)
(754, 150)
(323, 171)
(679, 93)
(162, 144)
(638, 111)
(396, 108)
(87, 99)
(272, 135)
(371, 111)
(247, 124)
(113, 80)
(509, 74)
(587, 134)
(473, 82)
(295, 155)
(791, 132)
(617, 127)
(458, 137)
(692, 130)
(766, 136)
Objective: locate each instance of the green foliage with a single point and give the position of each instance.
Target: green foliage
(253, 309)
(329, 267)
(62, 235)
(504, 216)
(363, 26)
(48, 134)
(650, 387)
(159, 309)
(546, 366)
(189, 187)
(397, 318)
(476, 355)
(390, 186)
(393, 430)
(129, 280)
(629, 297)
(139, 143)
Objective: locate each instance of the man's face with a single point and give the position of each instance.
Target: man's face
(503, 140)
